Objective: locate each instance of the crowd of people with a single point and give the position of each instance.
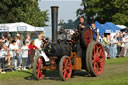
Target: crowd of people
(116, 45)
(18, 54)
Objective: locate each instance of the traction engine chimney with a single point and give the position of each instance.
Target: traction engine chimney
(54, 17)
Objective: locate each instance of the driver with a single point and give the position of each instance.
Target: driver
(81, 25)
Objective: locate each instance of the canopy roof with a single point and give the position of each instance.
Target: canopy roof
(14, 27)
(100, 27)
(121, 26)
(110, 26)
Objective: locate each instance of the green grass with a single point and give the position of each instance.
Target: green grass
(16, 74)
(116, 73)
(122, 60)
(121, 79)
(21, 74)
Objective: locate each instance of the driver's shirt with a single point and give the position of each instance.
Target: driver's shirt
(79, 28)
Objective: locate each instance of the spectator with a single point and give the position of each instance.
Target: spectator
(4, 56)
(31, 52)
(28, 39)
(7, 42)
(114, 42)
(19, 43)
(126, 45)
(122, 46)
(108, 45)
(95, 32)
(119, 44)
(21, 37)
(14, 50)
(38, 42)
(24, 55)
(1, 42)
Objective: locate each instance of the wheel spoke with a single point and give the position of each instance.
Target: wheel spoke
(65, 63)
(65, 73)
(93, 61)
(101, 53)
(64, 70)
(38, 73)
(40, 61)
(94, 66)
(97, 68)
(101, 60)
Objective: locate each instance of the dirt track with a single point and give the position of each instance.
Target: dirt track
(53, 79)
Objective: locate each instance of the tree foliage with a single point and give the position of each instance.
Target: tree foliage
(22, 11)
(68, 25)
(115, 11)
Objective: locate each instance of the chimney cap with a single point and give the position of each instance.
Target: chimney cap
(54, 7)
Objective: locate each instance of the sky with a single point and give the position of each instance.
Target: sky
(67, 8)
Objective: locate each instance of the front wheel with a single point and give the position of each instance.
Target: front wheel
(38, 70)
(95, 58)
(65, 68)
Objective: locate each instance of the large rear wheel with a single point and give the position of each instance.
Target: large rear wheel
(86, 37)
(38, 70)
(65, 68)
(95, 58)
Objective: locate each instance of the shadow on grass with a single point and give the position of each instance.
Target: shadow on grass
(54, 75)
(29, 77)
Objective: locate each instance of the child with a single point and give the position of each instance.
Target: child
(4, 56)
(24, 55)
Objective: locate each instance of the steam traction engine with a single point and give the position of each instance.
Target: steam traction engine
(67, 56)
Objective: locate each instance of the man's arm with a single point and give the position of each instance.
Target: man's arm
(97, 35)
(82, 26)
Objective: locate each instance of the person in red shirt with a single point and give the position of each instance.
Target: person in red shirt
(31, 52)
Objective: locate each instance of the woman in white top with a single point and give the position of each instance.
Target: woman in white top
(24, 55)
(13, 51)
(114, 42)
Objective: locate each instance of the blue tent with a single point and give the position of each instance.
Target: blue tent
(100, 27)
(110, 26)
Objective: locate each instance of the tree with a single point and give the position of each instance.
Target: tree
(69, 25)
(22, 11)
(115, 11)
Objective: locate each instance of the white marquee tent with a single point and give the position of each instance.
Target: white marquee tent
(15, 27)
(121, 26)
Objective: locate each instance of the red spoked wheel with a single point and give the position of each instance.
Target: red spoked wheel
(96, 58)
(65, 68)
(86, 36)
(38, 70)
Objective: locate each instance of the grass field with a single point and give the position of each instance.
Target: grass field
(115, 73)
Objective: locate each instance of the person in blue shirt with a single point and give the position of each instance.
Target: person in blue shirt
(95, 32)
